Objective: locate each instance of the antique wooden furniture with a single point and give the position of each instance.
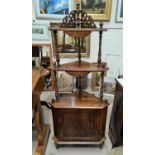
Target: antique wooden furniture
(67, 46)
(43, 130)
(116, 122)
(43, 59)
(45, 62)
(79, 117)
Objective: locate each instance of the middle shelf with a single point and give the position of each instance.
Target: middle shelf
(82, 66)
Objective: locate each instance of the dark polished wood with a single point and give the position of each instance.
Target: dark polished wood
(56, 44)
(78, 19)
(75, 30)
(80, 67)
(116, 122)
(43, 130)
(79, 50)
(82, 82)
(76, 100)
(79, 119)
(102, 87)
(100, 44)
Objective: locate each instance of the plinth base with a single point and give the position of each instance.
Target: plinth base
(59, 143)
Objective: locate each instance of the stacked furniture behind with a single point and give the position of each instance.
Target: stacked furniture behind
(116, 122)
(43, 130)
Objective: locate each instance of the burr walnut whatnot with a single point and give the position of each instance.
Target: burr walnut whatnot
(79, 117)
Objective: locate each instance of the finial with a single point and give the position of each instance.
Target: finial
(77, 6)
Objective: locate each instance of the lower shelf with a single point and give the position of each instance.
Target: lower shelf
(76, 100)
(40, 150)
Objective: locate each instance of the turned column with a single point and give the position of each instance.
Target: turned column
(55, 83)
(79, 50)
(100, 44)
(102, 87)
(56, 45)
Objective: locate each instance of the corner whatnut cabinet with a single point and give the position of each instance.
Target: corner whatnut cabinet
(79, 117)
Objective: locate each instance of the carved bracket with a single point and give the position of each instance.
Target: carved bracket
(78, 19)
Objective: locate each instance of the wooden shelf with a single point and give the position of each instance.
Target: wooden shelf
(80, 67)
(78, 117)
(80, 32)
(75, 100)
(76, 29)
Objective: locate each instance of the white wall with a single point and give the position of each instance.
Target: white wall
(112, 44)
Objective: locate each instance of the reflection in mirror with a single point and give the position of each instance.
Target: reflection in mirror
(68, 46)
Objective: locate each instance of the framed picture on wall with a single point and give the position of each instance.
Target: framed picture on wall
(98, 9)
(56, 9)
(67, 46)
(108, 85)
(95, 81)
(66, 82)
(119, 13)
(40, 32)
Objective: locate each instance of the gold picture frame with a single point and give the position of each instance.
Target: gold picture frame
(107, 86)
(70, 43)
(94, 9)
(95, 81)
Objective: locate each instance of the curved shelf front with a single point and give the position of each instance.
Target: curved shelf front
(84, 100)
(80, 67)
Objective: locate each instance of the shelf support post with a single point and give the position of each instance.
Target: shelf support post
(100, 44)
(79, 50)
(56, 45)
(102, 87)
(55, 83)
(80, 87)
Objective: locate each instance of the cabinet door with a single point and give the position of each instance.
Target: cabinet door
(80, 124)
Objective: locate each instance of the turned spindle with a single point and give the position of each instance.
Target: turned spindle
(56, 45)
(100, 44)
(79, 50)
(102, 87)
(56, 84)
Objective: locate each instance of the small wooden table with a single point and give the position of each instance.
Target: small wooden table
(43, 130)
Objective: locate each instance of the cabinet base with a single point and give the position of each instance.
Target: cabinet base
(59, 143)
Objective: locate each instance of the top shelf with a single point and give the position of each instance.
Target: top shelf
(78, 32)
(77, 29)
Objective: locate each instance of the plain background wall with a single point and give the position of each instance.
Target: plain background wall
(112, 43)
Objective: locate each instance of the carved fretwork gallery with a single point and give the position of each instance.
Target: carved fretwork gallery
(79, 117)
